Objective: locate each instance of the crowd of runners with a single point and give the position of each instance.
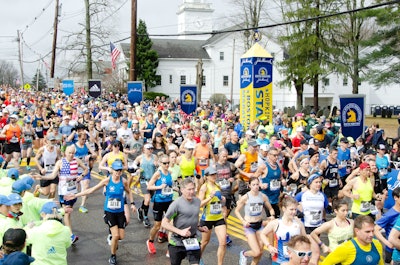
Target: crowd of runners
(289, 180)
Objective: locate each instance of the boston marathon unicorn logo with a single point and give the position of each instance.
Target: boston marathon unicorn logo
(188, 97)
(352, 116)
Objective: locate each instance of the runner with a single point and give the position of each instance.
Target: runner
(45, 160)
(114, 215)
(184, 214)
(67, 171)
(28, 134)
(12, 132)
(212, 201)
(253, 203)
(161, 184)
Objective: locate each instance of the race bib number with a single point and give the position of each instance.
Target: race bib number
(203, 162)
(254, 167)
(113, 204)
(49, 169)
(71, 187)
(39, 129)
(91, 145)
(333, 183)
(365, 206)
(191, 244)
(224, 184)
(343, 163)
(167, 191)
(316, 217)
(285, 250)
(255, 209)
(28, 138)
(14, 140)
(383, 171)
(275, 184)
(216, 208)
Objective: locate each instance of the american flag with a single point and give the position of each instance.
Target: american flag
(114, 55)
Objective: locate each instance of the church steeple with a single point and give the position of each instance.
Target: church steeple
(195, 16)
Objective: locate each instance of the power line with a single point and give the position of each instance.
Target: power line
(215, 32)
(38, 16)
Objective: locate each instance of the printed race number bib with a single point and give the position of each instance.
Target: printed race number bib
(113, 204)
(316, 217)
(365, 206)
(255, 209)
(71, 187)
(216, 208)
(49, 169)
(191, 244)
(167, 191)
(275, 184)
(224, 184)
(333, 183)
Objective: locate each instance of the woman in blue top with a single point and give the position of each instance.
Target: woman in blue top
(113, 205)
(161, 184)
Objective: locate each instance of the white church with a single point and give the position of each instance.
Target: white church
(220, 54)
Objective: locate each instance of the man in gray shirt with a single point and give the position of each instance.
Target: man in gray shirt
(184, 212)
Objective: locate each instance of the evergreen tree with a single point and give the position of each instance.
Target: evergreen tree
(147, 58)
(383, 61)
(41, 84)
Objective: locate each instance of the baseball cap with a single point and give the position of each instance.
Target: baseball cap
(249, 132)
(210, 171)
(66, 117)
(364, 165)
(48, 207)
(264, 147)
(135, 121)
(28, 180)
(14, 237)
(19, 186)
(115, 142)
(285, 132)
(263, 131)
(158, 134)
(135, 131)
(252, 143)
(113, 133)
(344, 140)
(350, 139)
(13, 173)
(277, 144)
(382, 147)
(189, 145)
(304, 142)
(14, 116)
(50, 137)
(117, 165)
(148, 146)
(370, 152)
(18, 258)
(14, 198)
(4, 200)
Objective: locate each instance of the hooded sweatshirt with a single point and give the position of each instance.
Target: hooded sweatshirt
(50, 241)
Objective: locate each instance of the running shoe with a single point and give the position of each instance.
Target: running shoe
(201, 262)
(83, 209)
(150, 247)
(140, 214)
(167, 254)
(242, 258)
(228, 240)
(74, 238)
(28, 168)
(146, 222)
(112, 260)
(109, 237)
(162, 237)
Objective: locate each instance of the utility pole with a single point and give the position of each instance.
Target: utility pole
(89, 60)
(20, 57)
(53, 53)
(132, 70)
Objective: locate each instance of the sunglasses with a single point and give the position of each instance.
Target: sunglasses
(301, 254)
(165, 163)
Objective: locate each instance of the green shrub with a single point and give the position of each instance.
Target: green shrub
(152, 95)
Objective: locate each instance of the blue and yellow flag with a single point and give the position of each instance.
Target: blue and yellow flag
(352, 114)
(188, 99)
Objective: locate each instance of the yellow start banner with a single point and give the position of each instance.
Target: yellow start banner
(255, 85)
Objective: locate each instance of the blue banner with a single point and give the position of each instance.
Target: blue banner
(135, 91)
(68, 87)
(392, 183)
(352, 114)
(188, 99)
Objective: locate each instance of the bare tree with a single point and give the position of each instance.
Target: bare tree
(91, 42)
(8, 73)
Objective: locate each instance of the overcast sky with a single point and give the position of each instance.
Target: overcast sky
(35, 19)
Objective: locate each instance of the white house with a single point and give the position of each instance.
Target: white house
(221, 54)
